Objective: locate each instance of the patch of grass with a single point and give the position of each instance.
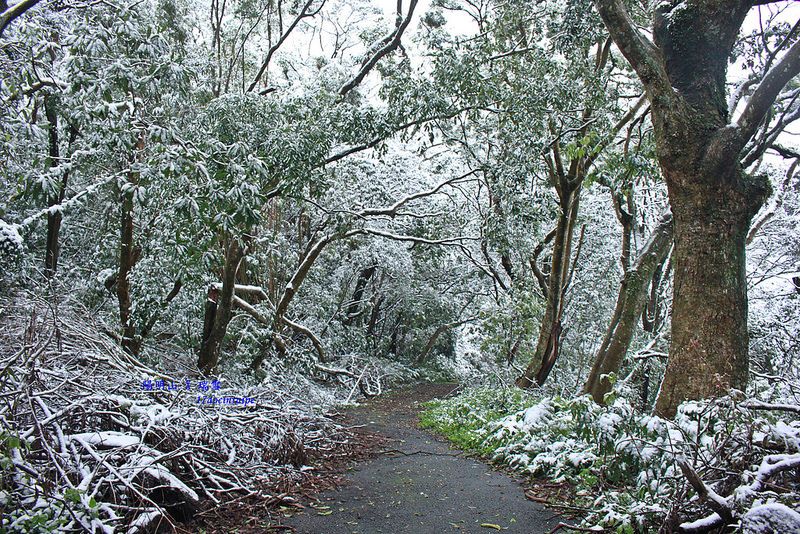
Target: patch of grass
(463, 419)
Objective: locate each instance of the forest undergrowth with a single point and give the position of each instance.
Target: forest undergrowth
(94, 440)
(220, 219)
(722, 465)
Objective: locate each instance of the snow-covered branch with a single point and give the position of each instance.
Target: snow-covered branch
(392, 211)
(392, 42)
(766, 92)
(753, 404)
(74, 200)
(7, 16)
(714, 501)
(456, 241)
(305, 12)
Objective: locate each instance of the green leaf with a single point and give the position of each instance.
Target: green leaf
(72, 495)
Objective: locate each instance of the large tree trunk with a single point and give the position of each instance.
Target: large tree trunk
(712, 199)
(709, 349)
(630, 305)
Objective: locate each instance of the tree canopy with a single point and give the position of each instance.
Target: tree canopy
(573, 197)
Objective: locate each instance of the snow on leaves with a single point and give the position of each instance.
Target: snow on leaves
(635, 457)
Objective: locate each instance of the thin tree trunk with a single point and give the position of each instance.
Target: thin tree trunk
(436, 333)
(299, 276)
(208, 356)
(568, 183)
(291, 290)
(653, 314)
(358, 294)
(373, 317)
(53, 219)
(148, 327)
(54, 199)
(630, 304)
(548, 346)
(128, 254)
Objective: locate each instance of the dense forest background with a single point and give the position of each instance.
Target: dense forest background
(303, 202)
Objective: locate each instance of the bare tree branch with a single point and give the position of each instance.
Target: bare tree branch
(390, 46)
(391, 211)
(457, 241)
(755, 148)
(777, 202)
(376, 141)
(638, 49)
(304, 13)
(437, 333)
(766, 93)
(540, 277)
(753, 404)
(785, 151)
(612, 134)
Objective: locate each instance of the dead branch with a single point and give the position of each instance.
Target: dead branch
(758, 405)
(117, 444)
(714, 501)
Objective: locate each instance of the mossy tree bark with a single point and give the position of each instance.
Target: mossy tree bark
(630, 305)
(713, 200)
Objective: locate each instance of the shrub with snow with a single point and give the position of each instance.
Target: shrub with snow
(629, 462)
(11, 243)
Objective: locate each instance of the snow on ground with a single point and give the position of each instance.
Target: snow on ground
(774, 518)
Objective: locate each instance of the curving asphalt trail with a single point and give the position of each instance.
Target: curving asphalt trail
(418, 484)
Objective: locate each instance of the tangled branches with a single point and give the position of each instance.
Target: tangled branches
(85, 447)
(753, 461)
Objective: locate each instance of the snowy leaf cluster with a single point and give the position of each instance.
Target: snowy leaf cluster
(11, 243)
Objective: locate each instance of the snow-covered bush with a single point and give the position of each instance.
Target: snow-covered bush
(464, 418)
(12, 248)
(10, 240)
(632, 469)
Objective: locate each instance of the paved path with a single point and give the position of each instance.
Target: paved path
(418, 484)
